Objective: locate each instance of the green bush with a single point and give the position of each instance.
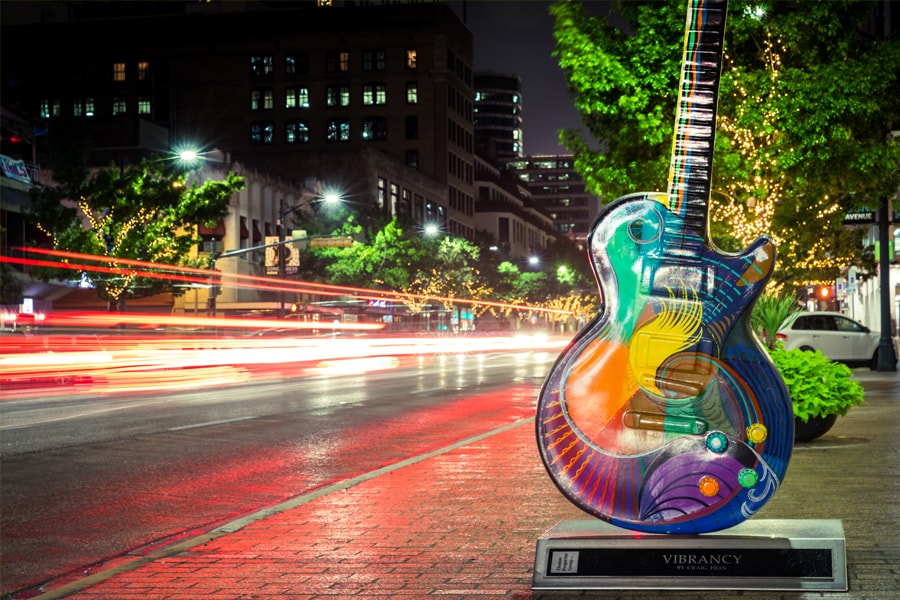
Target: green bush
(770, 312)
(818, 386)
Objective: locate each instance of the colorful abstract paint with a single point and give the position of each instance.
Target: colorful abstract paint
(665, 415)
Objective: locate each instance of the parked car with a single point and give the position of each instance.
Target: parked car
(835, 335)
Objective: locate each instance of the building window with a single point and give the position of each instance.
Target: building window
(338, 130)
(262, 132)
(143, 106)
(261, 65)
(296, 64)
(337, 95)
(118, 106)
(374, 60)
(374, 128)
(412, 128)
(337, 61)
(374, 93)
(297, 132)
(412, 92)
(297, 97)
(412, 159)
(118, 71)
(411, 58)
(143, 70)
(77, 108)
(382, 192)
(50, 108)
(262, 99)
(89, 107)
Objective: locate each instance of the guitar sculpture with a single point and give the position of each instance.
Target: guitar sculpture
(665, 415)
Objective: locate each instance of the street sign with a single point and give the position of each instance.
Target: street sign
(330, 242)
(860, 217)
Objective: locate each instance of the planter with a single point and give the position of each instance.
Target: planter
(813, 428)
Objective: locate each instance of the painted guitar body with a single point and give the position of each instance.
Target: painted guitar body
(665, 415)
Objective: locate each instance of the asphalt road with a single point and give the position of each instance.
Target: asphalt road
(88, 478)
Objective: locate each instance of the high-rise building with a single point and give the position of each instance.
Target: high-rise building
(294, 89)
(498, 116)
(558, 189)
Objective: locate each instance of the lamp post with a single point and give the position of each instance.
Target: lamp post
(283, 211)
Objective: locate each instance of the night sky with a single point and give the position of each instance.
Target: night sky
(517, 37)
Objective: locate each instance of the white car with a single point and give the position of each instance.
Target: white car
(835, 335)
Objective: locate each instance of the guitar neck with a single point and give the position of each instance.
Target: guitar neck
(690, 172)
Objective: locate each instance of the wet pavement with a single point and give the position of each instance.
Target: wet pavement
(463, 521)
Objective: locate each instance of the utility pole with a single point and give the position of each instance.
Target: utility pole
(280, 254)
(887, 358)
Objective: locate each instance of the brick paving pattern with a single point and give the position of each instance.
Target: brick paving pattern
(463, 524)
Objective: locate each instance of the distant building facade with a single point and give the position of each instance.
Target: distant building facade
(273, 84)
(559, 190)
(508, 214)
(498, 115)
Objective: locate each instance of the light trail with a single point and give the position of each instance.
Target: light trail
(297, 286)
(55, 365)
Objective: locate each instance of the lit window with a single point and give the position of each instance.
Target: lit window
(262, 99)
(118, 106)
(412, 92)
(118, 71)
(143, 70)
(382, 191)
(297, 132)
(337, 95)
(77, 108)
(144, 105)
(337, 61)
(89, 107)
(374, 128)
(261, 65)
(374, 93)
(411, 58)
(262, 133)
(338, 130)
(50, 108)
(297, 97)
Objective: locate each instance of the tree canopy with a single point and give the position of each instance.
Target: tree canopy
(147, 212)
(807, 102)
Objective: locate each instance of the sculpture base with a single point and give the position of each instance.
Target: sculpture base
(778, 554)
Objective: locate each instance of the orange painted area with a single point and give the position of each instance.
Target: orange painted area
(599, 385)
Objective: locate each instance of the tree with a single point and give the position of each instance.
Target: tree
(450, 270)
(387, 262)
(806, 102)
(146, 212)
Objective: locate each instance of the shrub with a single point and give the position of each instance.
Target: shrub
(770, 312)
(818, 386)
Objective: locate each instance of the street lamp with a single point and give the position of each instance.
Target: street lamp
(283, 211)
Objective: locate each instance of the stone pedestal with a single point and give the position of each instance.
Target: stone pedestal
(762, 554)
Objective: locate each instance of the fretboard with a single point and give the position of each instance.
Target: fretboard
(690, 172)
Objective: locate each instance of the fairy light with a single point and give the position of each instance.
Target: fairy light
(749, 205)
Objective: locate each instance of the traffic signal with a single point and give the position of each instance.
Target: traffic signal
(825, 293)
(295, 307)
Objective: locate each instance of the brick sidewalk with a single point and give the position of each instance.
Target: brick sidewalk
(463, 524)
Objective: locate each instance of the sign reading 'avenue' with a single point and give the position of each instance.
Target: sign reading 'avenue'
(860, 217)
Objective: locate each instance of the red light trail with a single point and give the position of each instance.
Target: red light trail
(250, 281)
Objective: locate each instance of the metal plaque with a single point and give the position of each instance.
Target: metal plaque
(758, 554)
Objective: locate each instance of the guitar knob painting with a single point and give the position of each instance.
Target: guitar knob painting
(665, 414)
